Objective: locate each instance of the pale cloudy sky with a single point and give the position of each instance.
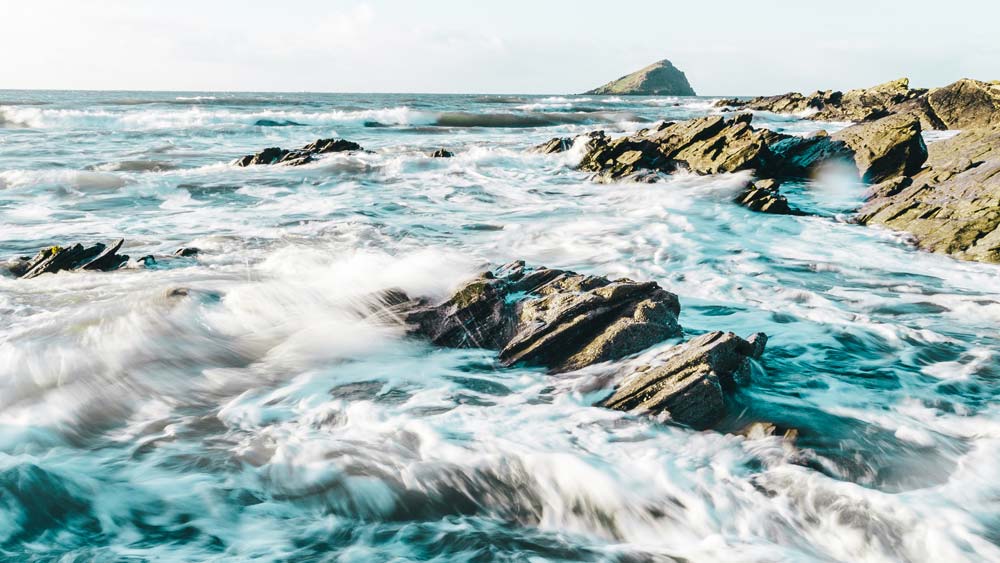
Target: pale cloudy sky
(509, 46)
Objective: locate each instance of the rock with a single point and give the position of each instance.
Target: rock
(277, 155)
(763, 196)
(551, 318)
(441, 153)
(799, 157)
(966, 104)
(691, 381)
(952, 206)
(77, 257)
(661, 78)
(563, 144)
(885, 148)
(186, 251)
(708, 145)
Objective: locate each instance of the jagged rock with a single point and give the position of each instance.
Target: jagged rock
(891, 146)
(952, 206)
(563, 144)
(278, 155)
(661, 78)
(557, 319)
(77, 257)
(963, 104)
(441, 153)
(966, 104)
(764, 196)
(691, 381)
(799, 157)
(708, 145)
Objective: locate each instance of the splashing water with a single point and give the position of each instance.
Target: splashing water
(256, 416)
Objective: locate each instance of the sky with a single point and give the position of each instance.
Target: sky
(742, 47)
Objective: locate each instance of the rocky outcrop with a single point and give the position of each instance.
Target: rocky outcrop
(441, 153)
(889, 147)
(99, 257)
(551, 318)
(661, 78)
(298, 157)
(714, 144)
(708, 145)
(964, 104)
(952, 206)
(690, 382)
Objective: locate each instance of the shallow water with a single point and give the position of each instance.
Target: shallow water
(257, 418)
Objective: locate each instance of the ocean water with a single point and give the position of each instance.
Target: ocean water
(258, 419)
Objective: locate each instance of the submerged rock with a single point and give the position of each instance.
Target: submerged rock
(953, 205)
(99, 257)
(661, 78)
(441, 153)
(552, 318)
(690, 381)
(296, 157)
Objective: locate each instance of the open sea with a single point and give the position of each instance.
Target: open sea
(258, 418)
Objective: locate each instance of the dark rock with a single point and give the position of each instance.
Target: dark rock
(77, 257)
(277, 155)
(187, 251)
(691, 381)
(563, 144)
(763, 196)
(799, 157)
(552, 318)
(885, 148)
(952, 206)
(661, 78)
(441, 153)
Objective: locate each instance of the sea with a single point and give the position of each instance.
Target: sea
(233, 405)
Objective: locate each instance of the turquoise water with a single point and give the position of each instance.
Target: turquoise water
(260, 419)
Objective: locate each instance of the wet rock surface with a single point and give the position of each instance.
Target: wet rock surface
(441, 153)
(952, 206)
(563, 144)
(552, 318)
(763, 196)
(715, 144)
(99, 257)
(690, 382)
(298, 157)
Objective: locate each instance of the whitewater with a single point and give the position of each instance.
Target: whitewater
(233, 406)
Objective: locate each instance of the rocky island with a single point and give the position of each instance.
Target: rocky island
(661, 78)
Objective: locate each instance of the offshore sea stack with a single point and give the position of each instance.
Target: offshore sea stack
(964, 104)
(661, 78)
(563, 321)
